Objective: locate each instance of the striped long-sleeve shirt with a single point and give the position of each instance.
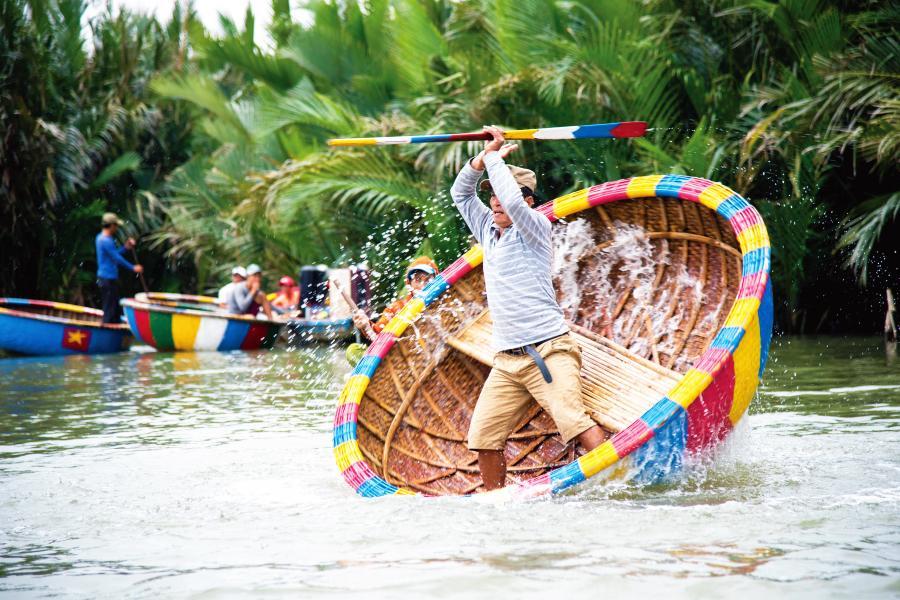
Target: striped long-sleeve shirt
(517, 264)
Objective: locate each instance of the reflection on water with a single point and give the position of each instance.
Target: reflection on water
(207, 475)
(61, 403)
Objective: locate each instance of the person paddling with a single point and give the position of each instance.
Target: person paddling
(419, 274)
(536, 357)
(109, 259)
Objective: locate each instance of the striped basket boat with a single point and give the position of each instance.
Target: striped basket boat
(674, 317)
(194, 323)
(51, 328)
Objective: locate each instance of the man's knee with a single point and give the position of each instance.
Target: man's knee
(487, 431)
(562, 398)
(499, 406)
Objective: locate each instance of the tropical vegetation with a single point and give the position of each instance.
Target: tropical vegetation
(213, 146)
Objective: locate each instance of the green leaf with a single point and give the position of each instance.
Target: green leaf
(129, 161)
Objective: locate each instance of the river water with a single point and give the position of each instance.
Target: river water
(145, 475)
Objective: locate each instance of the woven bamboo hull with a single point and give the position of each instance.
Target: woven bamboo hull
(192, 323)
(669, 300)
(38, 327)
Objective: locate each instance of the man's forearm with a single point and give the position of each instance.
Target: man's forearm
(244, 301)
(505, 186)
(118, 258)
(464, 185)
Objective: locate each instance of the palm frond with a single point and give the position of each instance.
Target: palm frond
(129, 161)
(864, 227)
(204, 92)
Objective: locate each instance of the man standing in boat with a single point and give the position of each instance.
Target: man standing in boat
(536, 357)
(109, 259)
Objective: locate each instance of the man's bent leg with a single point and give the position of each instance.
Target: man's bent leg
(562, 397)
(502, 403)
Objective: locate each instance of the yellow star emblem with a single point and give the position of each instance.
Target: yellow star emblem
(76, 337)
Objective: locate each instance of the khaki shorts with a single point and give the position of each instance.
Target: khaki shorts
(515, 380)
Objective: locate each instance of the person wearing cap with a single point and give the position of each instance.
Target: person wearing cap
(288, 297)
(109, 259)
(419, 273)
(536, 357)
(238, 274)
(247, 297)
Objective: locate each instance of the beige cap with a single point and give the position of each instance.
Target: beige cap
(110, 219)
(524, 177)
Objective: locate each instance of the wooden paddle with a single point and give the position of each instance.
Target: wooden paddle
(141, 274)
(624, 129)
(368, 330)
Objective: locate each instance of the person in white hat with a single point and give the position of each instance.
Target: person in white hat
(247, 297)
(238, 274)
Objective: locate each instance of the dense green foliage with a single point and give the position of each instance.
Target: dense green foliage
(794, 104)
(81, 137)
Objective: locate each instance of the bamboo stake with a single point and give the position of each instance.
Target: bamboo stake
(890, 328)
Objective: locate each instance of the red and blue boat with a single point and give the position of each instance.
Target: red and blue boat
(40, 327)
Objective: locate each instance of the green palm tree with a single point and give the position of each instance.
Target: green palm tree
(80, 137)
(768, 97)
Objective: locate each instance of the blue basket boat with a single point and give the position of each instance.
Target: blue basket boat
(39, 327)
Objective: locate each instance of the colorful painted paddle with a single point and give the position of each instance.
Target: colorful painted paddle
(625, 129)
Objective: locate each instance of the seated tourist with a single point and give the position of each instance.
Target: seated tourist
(238, 275)
(288, 298)
(247, 297)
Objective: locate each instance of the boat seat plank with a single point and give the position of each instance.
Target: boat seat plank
(618, 386)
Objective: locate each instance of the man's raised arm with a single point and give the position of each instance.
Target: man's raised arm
(476, 215)
(532, 225)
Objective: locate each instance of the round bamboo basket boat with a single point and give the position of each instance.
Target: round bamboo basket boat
(194, 323)
(43, 328)
(665, 283)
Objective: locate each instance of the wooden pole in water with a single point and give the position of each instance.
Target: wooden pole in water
(890, 330)
(140, 275)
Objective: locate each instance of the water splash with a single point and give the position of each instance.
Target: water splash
(612, 288)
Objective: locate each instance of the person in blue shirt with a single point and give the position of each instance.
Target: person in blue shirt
(109, 259)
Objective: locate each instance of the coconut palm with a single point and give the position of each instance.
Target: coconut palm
(81, 139)
(773, 98)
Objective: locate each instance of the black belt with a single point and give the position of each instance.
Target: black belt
(531, 351)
